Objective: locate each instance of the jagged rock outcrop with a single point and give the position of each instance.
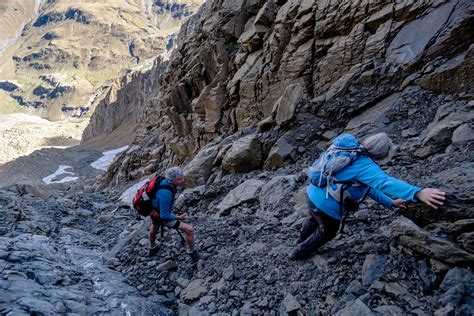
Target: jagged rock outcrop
(342, 66)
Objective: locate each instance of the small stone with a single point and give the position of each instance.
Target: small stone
(329, 135)
(355, 308)
(194, 290)
(373, 268)
(319, 262)
(182, 282)
(206, 299)
(410, 132)
(228, 273)
(395, 289)
(234, 293)
(290, 303)
(113, 262)
(263, 302)
(390, 310)
(166, 266)
(445, 311)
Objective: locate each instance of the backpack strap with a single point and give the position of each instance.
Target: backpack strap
(341, 203)
(168, 187)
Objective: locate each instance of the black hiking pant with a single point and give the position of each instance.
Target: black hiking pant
(318, 228)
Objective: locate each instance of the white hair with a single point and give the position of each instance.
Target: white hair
(379, 146)
(173, 173)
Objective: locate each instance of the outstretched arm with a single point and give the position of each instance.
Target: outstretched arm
(373, 176)
(432, 197)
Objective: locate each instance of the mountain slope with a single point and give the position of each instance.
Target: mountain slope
(249, 99)
(71, 49)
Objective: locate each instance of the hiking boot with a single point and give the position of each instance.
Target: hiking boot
(196, 256)
(296, 255)
(153, 251)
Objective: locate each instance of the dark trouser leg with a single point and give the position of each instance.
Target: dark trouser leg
(309, 226)
(326, 231)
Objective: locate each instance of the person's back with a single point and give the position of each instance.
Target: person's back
(164, 200)
(369, 179)
(362, 177)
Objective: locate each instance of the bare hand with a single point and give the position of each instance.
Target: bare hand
(432, 197)
(399, 203)
(183, 217)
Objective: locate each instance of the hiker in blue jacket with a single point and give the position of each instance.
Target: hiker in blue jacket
(362, 177)
(164, 202)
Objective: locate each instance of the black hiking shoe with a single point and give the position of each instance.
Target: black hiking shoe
(196, 256)
(153, 251)
(296, 255)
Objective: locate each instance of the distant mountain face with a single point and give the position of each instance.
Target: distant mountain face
(55, 55)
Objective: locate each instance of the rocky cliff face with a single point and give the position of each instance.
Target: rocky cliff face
(347, 65)
(52, 69)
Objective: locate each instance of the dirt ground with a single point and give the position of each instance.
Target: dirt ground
(22, 134)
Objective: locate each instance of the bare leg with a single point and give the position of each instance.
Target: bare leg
(189, 231)
(152, 235)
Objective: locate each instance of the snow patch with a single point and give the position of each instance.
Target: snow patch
(10, 120)
(128, 195)
(61, 170)
(108, 157)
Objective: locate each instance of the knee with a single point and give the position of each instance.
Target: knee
(189, 230)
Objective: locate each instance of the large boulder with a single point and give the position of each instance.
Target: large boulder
(285, 107)
(247, 191)
(277, 192)
(409, 235)
(199, 169)
(245, 155)
(453, 76)
(281, 151)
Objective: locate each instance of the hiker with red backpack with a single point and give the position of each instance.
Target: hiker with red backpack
(341, 178)
(156, 198)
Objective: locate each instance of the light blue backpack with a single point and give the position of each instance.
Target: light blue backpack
(344, 150)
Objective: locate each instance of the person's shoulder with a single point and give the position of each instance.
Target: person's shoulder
(167, 188)
(363, 162)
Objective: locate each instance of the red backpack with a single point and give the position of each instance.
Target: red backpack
(142, 200)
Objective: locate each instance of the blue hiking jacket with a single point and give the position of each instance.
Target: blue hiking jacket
(375, 183)
(164, 201)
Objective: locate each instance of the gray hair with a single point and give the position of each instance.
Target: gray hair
(379, 146)
(173, 172)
